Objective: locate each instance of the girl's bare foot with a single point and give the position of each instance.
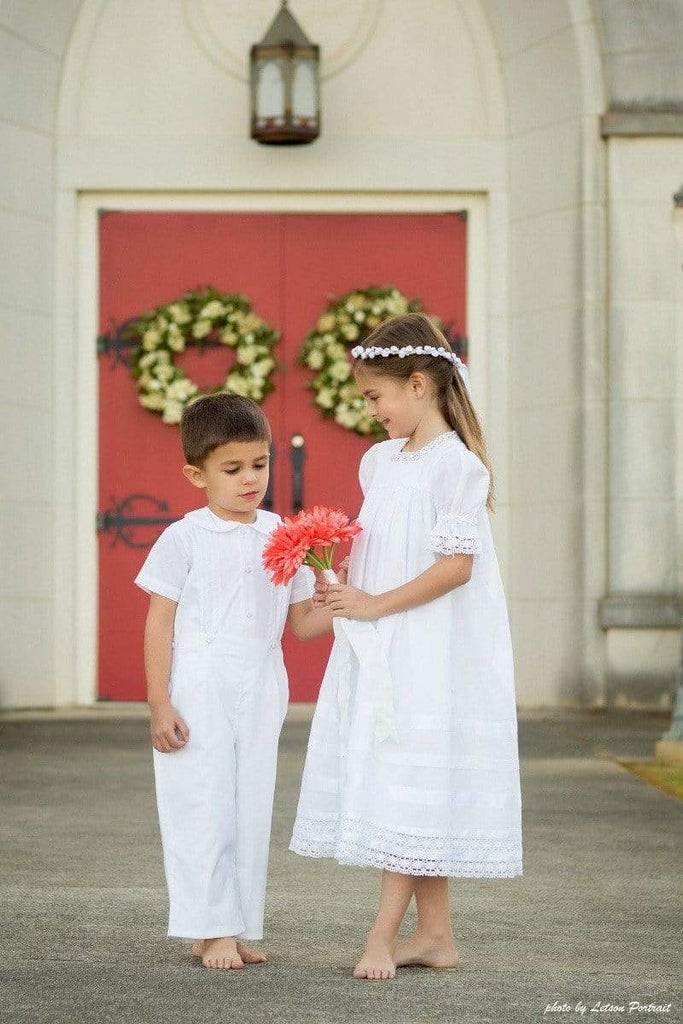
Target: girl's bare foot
(422, 950)
(248, 956)
(222, 953)
(251, 956)
(377, 963)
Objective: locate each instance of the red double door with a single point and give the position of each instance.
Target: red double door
(289, 266)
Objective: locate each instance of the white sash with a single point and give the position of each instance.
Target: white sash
(374, 676)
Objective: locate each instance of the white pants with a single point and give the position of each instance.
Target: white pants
(215, 794)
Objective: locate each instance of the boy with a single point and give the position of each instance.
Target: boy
(216, 681)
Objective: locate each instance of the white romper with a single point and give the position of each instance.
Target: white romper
(229, 683)
(445, 799)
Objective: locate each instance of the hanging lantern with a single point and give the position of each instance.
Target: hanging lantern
(285, 84)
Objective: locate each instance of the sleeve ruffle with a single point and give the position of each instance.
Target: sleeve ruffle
(460, 492)
(455, 535)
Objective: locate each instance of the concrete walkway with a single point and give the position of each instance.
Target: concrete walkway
(595, 919)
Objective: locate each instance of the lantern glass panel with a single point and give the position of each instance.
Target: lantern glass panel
(270, 89)
(304, 98)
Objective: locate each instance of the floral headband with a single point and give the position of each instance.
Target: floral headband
(414, 350)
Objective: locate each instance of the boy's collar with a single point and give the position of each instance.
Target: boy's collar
(210, 521)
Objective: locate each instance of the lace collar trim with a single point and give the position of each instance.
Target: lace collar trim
(436, 442)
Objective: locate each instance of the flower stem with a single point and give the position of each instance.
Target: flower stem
(312, 559)
(320, 560)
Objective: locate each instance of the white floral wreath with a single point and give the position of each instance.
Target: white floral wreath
(348, 320)
(198, 316)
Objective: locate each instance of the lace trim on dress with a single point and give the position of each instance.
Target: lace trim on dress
(434, 443)
(455, 535)
(364, 845)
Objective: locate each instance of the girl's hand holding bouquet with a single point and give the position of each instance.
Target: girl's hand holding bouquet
(322, 585)
(342, 599)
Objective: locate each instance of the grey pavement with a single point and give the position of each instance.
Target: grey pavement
(595, 920)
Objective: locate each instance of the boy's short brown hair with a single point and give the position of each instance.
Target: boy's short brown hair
(218, 419)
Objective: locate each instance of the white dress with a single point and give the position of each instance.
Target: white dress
(229, 683)
(445, 799)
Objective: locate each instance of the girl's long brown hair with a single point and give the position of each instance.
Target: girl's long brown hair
(453, 397)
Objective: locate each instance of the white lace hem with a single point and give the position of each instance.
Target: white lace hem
(495, 855)
(454, 535)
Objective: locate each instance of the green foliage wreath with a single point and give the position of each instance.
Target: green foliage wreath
(200, 316)
(346, 322)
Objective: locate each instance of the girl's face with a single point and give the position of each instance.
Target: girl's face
(235, 476)
(395, 403)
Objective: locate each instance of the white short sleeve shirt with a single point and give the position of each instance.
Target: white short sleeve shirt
(213, 569)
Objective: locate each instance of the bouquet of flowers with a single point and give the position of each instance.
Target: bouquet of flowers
(309, 539)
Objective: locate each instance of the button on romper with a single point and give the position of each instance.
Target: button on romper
(229, 683)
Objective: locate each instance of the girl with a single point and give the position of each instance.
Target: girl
(438, 794)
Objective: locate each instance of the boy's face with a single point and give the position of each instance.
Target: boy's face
(235, 476)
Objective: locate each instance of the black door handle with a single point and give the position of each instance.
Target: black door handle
(268, 496)
(298, 456)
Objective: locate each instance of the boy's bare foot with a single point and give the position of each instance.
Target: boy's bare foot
(427, 951)
(248, 956)
(377, 963)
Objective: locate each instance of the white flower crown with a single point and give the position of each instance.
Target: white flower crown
(414, 350)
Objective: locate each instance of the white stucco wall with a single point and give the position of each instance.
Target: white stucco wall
(646, 395)
(31, 49)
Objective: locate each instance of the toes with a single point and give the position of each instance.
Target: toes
(234, 963)
(363, 971)
(374, 973)
(250, 956)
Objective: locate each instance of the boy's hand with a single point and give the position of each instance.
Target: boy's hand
(168, 729)
(322, 585)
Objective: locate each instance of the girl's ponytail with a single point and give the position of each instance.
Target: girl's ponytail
(460, 414)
